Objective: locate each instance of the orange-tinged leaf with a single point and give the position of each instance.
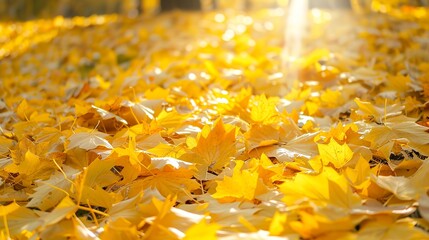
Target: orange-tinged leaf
(268, 171)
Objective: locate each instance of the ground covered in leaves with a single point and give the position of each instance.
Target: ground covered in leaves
(181, 126)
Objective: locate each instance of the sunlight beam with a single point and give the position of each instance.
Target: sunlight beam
(296, 24)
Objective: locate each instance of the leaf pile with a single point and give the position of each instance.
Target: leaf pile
(181, 126)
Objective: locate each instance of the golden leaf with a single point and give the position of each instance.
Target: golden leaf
(326, 188)
(243, 185)
(333, 152)
(202, 151)
(202, 230)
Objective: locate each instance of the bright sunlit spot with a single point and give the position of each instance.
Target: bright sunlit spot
(296, 23)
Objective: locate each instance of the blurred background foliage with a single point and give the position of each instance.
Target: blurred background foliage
(32, 9)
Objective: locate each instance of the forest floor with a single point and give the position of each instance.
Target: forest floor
(189, 126)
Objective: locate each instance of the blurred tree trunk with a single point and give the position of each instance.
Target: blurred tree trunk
(31, 9)
(168, 5)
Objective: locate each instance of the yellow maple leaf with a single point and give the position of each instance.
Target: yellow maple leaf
(263, 110)
(311, 107)
(243, 185)
(335, 153)
(203, 152)
(315, 226)
(326, 188)
(359, 175)
(132, 160)
(131, 152)
(202, 230)
(169, 176)
(171, 119)
(267, 170)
